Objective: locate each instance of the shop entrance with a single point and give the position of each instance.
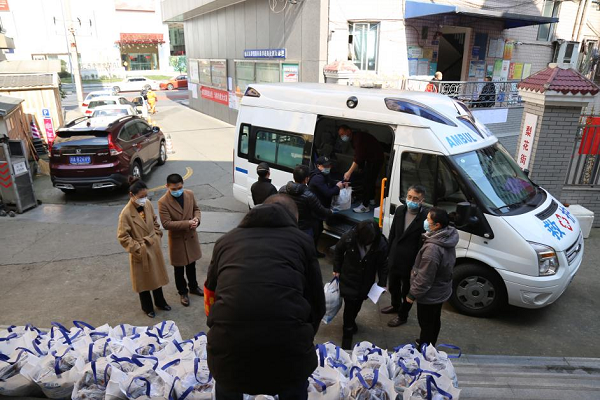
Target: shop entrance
(452, 60)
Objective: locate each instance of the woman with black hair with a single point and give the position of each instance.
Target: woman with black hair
(359, 255)
(140, 234)
(431, 276)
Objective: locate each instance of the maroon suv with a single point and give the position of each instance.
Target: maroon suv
(97, 153)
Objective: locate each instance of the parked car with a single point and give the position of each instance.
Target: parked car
(89, 153)
(114, 111)
(135, 84)
(93, 95)
(179, 81)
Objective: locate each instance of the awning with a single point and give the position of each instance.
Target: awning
(140, 38)
(417, 9)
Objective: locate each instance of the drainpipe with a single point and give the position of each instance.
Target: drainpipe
(583, 22)
(577, 20)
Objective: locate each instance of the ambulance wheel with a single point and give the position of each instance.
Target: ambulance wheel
(477, 290)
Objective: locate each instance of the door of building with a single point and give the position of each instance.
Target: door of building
(452, 60)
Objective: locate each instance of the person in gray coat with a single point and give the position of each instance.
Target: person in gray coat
(431, 276)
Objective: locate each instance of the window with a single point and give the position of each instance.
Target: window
(549, 9)
(128, 133)
(432, 172)
(218, 70)
(282, 149)
(363, 42)
(243, 141)
(267, 72)
(408, 107)
(204, 71)
(143, 127)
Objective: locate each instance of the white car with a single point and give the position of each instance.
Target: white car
(93, 95)
(135, 84)
(115, 111)
(106, 101)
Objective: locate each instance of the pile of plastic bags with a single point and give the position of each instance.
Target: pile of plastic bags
(133, 362)
(372, 373)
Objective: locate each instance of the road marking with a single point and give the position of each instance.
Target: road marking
(188, 172)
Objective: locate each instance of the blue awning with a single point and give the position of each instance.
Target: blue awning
(417, 9)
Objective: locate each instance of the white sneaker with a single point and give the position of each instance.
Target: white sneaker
(362, 209)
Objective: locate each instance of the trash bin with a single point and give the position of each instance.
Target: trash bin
(16, 185)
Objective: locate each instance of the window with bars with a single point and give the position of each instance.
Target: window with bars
(363, 44)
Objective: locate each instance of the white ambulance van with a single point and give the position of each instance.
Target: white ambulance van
(518, 244)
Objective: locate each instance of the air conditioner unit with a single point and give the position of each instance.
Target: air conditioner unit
(566, 53)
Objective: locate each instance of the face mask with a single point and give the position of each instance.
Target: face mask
(176, 193)
(345, 138)
(141, 201)
(412, 205)
(426, 226)
(326, 171)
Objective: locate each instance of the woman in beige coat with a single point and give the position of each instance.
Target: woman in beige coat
(139, 233)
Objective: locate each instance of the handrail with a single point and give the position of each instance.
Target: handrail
(383, 182)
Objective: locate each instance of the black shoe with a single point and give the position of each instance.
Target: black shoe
(151, 314)
(166, 307)
(389, 310)
(321, 255)
(185, 300)
(197, 291)
(396, 322)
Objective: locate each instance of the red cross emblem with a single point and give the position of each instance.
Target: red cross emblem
(564, 222)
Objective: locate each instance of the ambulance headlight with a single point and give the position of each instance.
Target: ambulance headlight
(547, 259)
(352, 102)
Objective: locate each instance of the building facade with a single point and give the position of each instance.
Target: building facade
(397, 44)
(113, 37)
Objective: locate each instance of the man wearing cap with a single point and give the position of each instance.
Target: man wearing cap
(324, 188)
(262, 188)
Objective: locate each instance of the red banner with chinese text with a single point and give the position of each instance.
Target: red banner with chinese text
(216, 95)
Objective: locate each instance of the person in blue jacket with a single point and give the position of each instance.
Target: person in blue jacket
(324, 188)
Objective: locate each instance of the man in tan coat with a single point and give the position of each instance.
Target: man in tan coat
(140, 234)
(180, 215)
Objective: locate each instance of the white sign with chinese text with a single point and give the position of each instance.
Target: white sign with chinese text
(527, 137)
(20, 168)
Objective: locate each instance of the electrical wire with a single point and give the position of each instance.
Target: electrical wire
(273, 5)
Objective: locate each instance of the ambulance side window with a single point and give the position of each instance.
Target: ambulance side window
(243, 141)
(433, 173)
(282, 150)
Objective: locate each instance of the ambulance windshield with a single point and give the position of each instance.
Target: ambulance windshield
(501, 184)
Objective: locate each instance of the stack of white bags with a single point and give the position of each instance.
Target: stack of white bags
(130, 362)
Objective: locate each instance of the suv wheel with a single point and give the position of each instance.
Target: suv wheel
(477, 291)
(162, 153)
(116, 89)
(170, 86)
(136, 170)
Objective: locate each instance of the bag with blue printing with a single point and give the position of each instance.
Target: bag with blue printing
(93, 382)
(439, 361)
(431, 386)
(193, 380)
(166, 330)
(12, 382)
(335, 357)
(333, 300)
(326, 383)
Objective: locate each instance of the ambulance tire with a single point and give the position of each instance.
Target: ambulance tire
(477, 290)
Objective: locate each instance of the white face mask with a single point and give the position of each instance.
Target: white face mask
(142, 201)
(345, 138)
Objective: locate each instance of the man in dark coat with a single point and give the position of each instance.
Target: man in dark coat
(359, 255)
(310, 208)
(269, 303)
(262, 188)
(405, 241)
(487, 97)
(324, 188)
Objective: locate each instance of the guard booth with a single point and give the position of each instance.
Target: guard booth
(16, 185)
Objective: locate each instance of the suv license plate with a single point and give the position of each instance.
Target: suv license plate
(80, 160)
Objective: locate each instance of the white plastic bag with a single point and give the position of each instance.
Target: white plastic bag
(325, 383)
(439, 361)
(404, 372)
(343, 201)
(125, 330)
(13, 338)
(362, 350)
(194, 381)
(55, 373)
(431, 387)
(370, 384)
(147, 383)
(166, 330)
(333, 300)
(93, 382)
(12, 382)
(336, 358)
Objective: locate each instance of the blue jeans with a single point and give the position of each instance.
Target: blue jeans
(299, 392)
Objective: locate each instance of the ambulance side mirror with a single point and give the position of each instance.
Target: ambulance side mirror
(465, 215)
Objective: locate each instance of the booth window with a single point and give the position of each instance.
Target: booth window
(244, 75)
(267, 72)
(281, 149)
(244, 139)
(363, 42)
(550, 9)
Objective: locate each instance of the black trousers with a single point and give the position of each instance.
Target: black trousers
(299, 392)
(399, 288)
(317, 231)
(146, 299)
(370, 173)
(430, 321)
(190, 272)
(351, 309)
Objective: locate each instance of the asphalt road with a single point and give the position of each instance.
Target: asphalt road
(61, 262)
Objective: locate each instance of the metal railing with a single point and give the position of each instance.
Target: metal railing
(584, 169)
(500, 94)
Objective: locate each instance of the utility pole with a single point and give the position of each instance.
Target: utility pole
(72, 43)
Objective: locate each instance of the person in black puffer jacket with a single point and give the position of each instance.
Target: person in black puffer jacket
(431, 276)
(359, 255)
(309, 207)
(269, 304)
